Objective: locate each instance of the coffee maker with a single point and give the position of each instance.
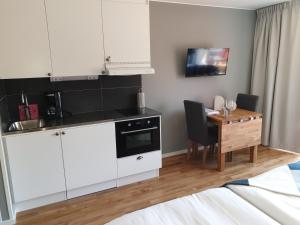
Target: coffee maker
(54, 101)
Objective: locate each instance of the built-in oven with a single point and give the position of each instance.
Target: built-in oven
(137, 136)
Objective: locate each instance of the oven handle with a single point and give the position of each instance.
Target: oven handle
(134, 131)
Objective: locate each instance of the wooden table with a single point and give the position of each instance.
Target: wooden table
(240, 129)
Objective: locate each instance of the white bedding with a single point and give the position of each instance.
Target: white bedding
(283, 208)
(218, 206)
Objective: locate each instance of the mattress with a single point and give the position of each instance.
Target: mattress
(281, 207)
(218, 206)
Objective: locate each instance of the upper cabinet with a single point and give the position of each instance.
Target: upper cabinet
(24, 45)
(126, 33)
(42, 38)
(76, 38)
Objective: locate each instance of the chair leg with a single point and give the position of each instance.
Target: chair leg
(205, 151)
(230, 156)
(189, 149)
(195, 149)
(212, 149)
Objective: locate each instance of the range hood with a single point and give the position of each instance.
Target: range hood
(128, 69)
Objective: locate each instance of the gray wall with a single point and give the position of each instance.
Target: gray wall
(176, 27)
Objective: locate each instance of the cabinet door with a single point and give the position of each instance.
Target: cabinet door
(126, 31)
(24, 40)
(89, 155)
(76, 38)
(36, 164)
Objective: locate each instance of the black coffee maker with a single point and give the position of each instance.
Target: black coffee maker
(54, 101)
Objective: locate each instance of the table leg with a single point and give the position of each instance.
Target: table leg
(221, 161)
(221, 156)
(253, 154)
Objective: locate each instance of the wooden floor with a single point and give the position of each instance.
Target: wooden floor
(178, 178)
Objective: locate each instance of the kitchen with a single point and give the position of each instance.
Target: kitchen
(75, 105)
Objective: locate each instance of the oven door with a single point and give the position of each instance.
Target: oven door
(138, 141)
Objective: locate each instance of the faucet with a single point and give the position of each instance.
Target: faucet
(26, 106)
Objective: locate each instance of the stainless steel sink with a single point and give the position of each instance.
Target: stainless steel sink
(26, 125)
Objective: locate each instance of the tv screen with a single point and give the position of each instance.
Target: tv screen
(206, 61)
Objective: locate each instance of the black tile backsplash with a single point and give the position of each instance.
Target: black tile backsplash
(121, 81)
(82, 101)
(77, 85)
(28, 86)
(120, 98)
(106, 93)
(2, 89)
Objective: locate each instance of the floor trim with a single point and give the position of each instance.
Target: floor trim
(179, 152)
(183, 151)
(8, 222)
(283, 150)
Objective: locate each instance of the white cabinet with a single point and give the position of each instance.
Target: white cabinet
(139, 163)
(76, 38)
(68, 162)
(36, 164)
(126, 32)
(24, 45)
(89, 154)
(40, 38)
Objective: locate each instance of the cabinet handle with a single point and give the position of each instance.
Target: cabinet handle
(49, 74)
(63, 133)
(56, 134)
(108, 58)
(139, 158)
(103, 72)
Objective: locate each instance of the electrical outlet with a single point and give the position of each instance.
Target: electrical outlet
(93, 77)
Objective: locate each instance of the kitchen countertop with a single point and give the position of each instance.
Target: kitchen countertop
(92, 118)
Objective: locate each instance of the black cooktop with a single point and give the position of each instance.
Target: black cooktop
(133, 111)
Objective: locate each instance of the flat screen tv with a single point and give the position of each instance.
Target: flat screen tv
(206, 61)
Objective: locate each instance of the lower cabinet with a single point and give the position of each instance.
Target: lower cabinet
(51, 166)
(35, 165)
(89, 154)
(54, 165)
(139, 163)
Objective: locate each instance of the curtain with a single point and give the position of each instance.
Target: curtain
(276, 74)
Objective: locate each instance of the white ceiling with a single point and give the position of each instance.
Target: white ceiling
(239, 4)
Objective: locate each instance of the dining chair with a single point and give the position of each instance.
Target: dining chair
(199, 130)
(248, 102)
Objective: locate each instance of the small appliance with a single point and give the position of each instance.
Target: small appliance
(54, 101)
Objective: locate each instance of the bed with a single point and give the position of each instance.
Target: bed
(267, 199)
(211, 207)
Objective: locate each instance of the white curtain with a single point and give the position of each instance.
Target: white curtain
(276, 74)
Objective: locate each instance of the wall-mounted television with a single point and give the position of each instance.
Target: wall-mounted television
(206, 62)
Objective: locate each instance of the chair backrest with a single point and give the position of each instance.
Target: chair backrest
(248, 102)
(196, 121)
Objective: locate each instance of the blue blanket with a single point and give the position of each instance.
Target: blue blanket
(284, 179)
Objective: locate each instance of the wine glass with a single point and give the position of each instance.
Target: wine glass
(230, 105)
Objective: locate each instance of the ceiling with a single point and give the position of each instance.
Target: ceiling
(238, 4)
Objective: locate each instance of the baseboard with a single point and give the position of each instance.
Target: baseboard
(283, 150)
(169, 154)
(137, 177)
(91, 189)
(8, 222)
(37, 202)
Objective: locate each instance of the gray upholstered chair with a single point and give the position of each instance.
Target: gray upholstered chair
(248, 102)
(199, 130)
